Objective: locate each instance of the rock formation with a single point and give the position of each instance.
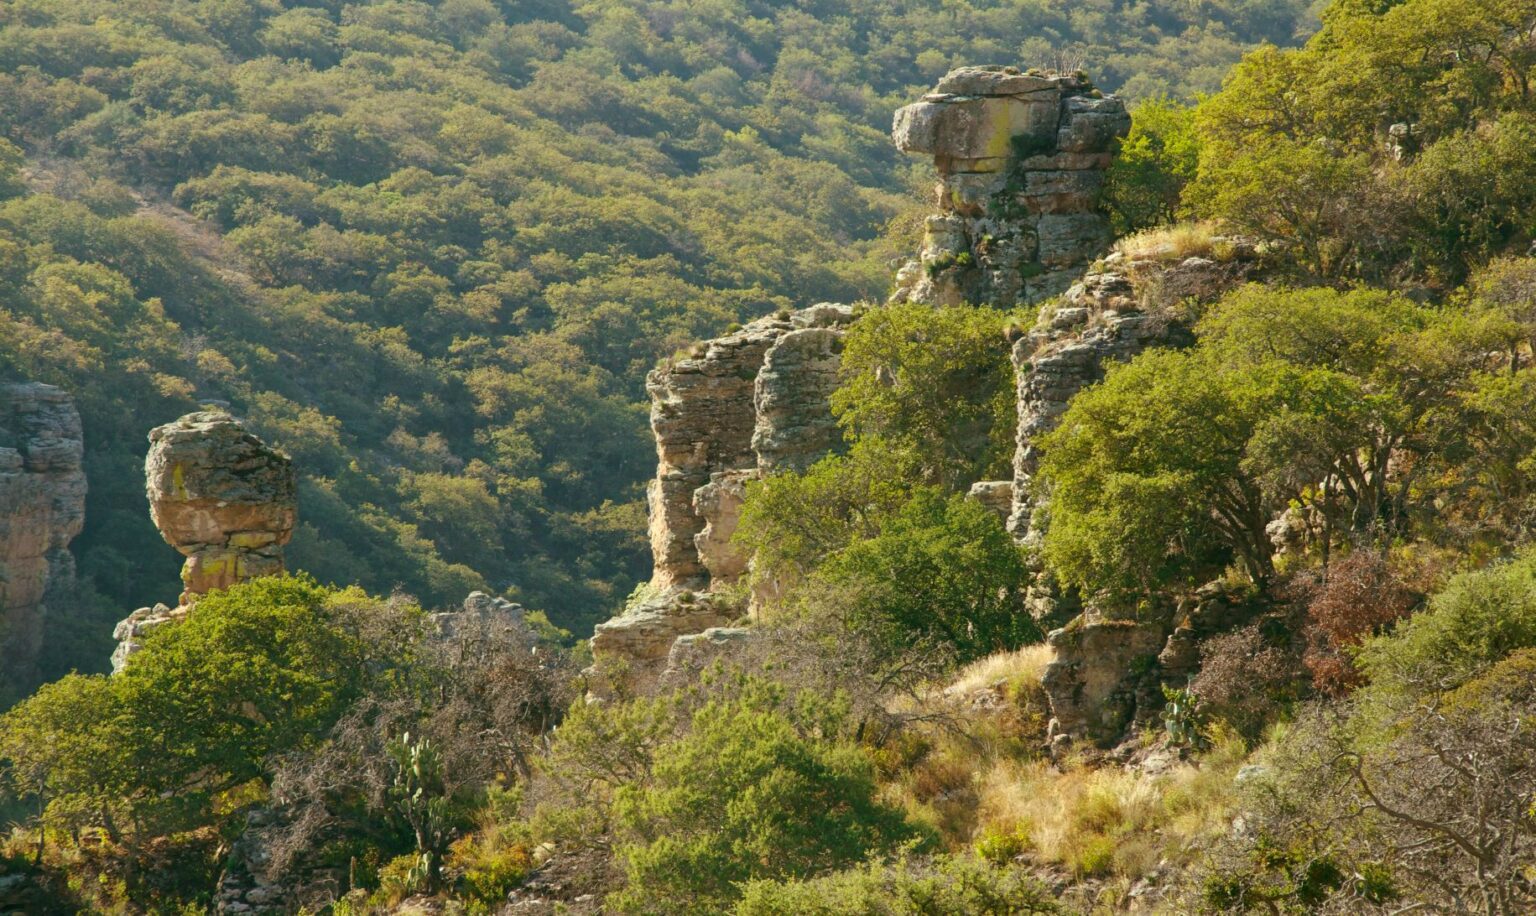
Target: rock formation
(42, 508)
(1107, 670)
(480, 614)
(1021, 159)
(224, 499)
(221, 497)
(754, 401)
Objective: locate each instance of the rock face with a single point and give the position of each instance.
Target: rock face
(755, 398)
(223, 498)
(630, 651)
(1021, 160)
(481, 613)
(1108, 671)
(1092, 683)
(754, 401)
(42, 509)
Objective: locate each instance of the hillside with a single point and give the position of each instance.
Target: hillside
(432, 249)
(1149, 530)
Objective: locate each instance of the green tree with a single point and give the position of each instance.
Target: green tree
(1145, 184)
(752, 791)
(941, 568)
(935, 386)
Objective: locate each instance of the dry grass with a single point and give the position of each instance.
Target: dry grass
(1106, 821)
(1174, 243)
(1016, 670)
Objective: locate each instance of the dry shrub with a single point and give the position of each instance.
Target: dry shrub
(1247, 676)
(1109, 821)
(1171, 243)
(1362, 595)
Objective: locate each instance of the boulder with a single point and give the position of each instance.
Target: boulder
(222, 497)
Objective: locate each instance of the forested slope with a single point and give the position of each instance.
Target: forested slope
(432, 248)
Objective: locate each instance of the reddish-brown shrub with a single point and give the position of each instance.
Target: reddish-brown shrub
(1361, 595)
(1248, 676)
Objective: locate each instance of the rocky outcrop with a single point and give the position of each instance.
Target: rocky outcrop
(225, 500)
(693, 653)
(630, 651)
(480, 614)
(42, 509)
(1021, 158)
(719, 504)
(1094, 681)
(222, 497)
(1108, 671)
(754, 398)
(995, 496)
(753, 402)
(1121, 307)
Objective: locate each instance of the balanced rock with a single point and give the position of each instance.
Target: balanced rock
(222, 497)
(1021, 158)
(42, 509)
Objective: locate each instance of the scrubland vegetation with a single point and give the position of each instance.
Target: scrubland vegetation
(490, 222)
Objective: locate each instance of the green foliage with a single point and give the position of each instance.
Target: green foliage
(1296, 147)
(1145, 184)
(904, 888)
(752, 791)
(934, 387)
(794, 522)
(420, 798)
(942, 568)
(1478, 619)
(487, 220)
(259, 670)
(1171, 468)
(1181, 718)
(1146, 476)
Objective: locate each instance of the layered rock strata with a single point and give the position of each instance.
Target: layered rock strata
(1021, 158)
(752, 402)
(42, 509)
(225, 500)
(754, 399)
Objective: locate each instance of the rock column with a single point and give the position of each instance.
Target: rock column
(42, 508)
(1021, 158)
(224, 499)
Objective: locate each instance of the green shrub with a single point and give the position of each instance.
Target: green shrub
(930, 888)
(757, 789)
(1478, 619)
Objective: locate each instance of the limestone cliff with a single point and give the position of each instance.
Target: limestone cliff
(1021, 159)
(754, 399)
(224, 499)
(751, 402)
(1107, 670)
(42, 508)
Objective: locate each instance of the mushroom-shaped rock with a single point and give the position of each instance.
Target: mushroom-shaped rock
(222, 497)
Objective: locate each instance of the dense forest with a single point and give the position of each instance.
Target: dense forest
(431, 249)
(1281, 533)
